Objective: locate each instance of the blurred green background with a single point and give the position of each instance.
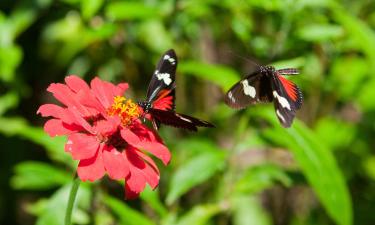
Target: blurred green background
(247, 171)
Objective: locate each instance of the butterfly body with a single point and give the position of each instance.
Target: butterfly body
(264, 85)
(159, 105)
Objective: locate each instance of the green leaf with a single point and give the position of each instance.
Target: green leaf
(348, 74)
(90, 7)
(320, 32)
(8, 101)
(54, 146)
(152, 198)
(195, 171)
(21, 19)
(295, 62)
(369, 166)
(194, 146)
(344, 132)
(247, 210)
(10, 57)
(54, 211)
(159, 42)
(317, 163)
(199, 215)
(122, 10)
(221, 75)
(38, 176)
(126, 214)
(361, 33)
(366, 95)
(258, 178)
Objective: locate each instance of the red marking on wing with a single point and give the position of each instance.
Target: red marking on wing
(164, 100)
(290, 88)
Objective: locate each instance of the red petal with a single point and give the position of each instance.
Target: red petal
(56, 112)
(148, 142)
(148, 160)
(103, 91)
(106, 127)
(76, 83)
(55, 127)
(130, 193)
(68, 98)
(106, 91)
(91, 169)
(121, 88)
(80, 120)
(87, 99)
(82, 146)
(139, 168)
(115, 164)
(140, 174)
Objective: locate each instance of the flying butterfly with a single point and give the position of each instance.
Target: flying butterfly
(159, 106)
(267, 84)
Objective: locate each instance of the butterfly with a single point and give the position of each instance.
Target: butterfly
(267, 84)
(159, 106)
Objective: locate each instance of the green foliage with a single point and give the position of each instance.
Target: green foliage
(126, 214)
(232, 174)
(246, 211)
(52, 211)
(318, 164)
(199, 215)
(38, 176)
(194, 171)
(218, 74)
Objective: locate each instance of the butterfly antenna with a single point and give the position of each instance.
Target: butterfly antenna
(244, 58)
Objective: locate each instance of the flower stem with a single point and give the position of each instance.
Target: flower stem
(72, 197)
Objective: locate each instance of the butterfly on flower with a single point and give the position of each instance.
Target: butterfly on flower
(104, 133)
(159, 106)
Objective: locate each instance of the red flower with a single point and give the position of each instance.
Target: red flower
(105, 133)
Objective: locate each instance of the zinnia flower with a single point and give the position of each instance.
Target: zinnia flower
(105, 133)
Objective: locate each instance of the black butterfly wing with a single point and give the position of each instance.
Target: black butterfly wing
(252, 89)
(163, 79)
(177, 120)
(287, 99)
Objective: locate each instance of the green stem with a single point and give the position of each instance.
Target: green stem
(72, 197)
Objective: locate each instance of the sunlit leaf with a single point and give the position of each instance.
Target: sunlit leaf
(7, 101)
(361, 33)
(247, 210)
(366, 95)
(37, 176)
(54, 212)
(348, 75)
(369, 166)
(199, 215)
(318, 165)
(194, 171)
(152, 198)
(126, 214)
(344, 132)
(159, 42)
(10, 58)
(287, 63)
(54, 146)
(320, 32)
(221, 75)
(123, 10)
(90, 7)
(261, 177)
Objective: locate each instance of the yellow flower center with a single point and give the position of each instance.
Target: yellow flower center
(126, 109)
